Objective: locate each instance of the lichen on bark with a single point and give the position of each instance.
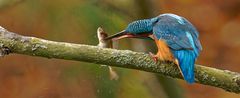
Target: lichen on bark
(32, 46)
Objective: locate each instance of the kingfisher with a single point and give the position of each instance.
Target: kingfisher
(177, 40)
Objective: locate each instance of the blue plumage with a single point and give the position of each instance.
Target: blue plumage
(186, 59)
(182, 38)
(141, 26)
(179, 34)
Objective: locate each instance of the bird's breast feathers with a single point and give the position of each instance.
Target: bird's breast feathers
(164, 52)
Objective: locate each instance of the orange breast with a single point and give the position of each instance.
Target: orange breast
(164, 52)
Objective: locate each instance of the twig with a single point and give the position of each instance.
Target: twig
(227, 80)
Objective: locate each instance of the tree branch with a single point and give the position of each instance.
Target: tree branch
(14, 43)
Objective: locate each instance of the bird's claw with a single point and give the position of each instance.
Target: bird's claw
(154, 57)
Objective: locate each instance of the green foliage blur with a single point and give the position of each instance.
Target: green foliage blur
(76, 21)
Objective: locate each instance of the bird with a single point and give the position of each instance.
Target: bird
(176, 38)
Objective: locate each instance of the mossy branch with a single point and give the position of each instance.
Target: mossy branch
(14, 43)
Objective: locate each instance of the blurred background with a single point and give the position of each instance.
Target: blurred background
(76, 21)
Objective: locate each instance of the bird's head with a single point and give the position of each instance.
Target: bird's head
(136, 29)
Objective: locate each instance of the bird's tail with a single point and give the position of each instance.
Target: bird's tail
(186, 60)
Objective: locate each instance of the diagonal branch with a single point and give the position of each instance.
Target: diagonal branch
(227, 80)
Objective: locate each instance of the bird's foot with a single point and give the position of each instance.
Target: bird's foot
(154, 57)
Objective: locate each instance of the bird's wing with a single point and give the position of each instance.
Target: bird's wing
(176, 39)
(182, 37)
(174, 32)
(194, 33)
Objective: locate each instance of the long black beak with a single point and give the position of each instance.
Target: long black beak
(116, 35)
